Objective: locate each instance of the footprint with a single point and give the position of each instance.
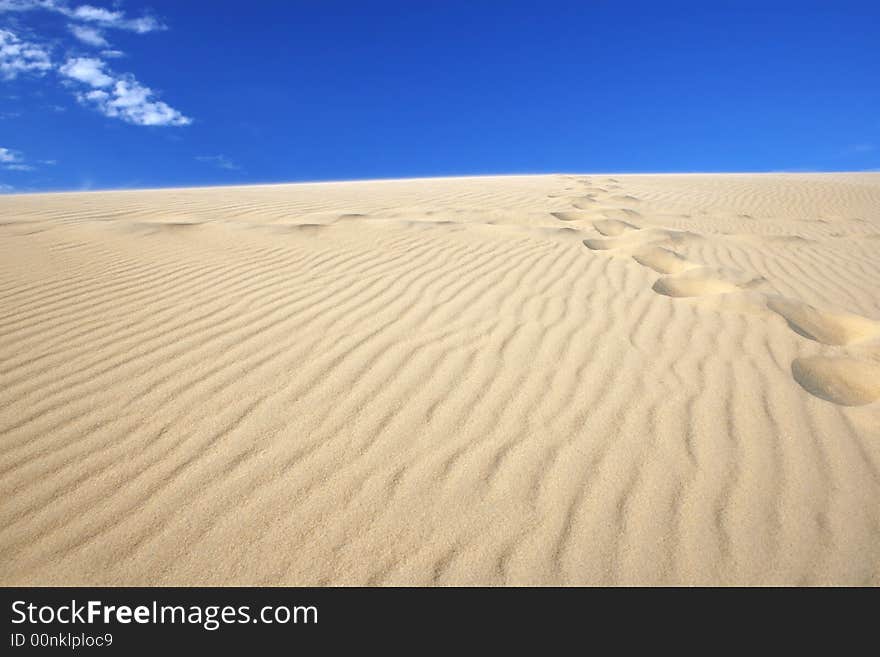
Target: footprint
(613, 227)
(663, 261)
(840, 380)
(701, 281)
(584, 202)
(639, 238)
(571, 216)
(597, 244)
(685, 278)
(620, 213)
(822, 326)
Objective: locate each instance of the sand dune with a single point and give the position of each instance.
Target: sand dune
(510, 380)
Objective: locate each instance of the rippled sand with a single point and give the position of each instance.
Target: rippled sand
(510, 380)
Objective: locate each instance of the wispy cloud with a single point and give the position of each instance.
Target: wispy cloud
(8, 155)
(12, 160)
(89, 35)
(115, 95)
(219, 161)
(106, 18)
(111, 19)
(18, 56)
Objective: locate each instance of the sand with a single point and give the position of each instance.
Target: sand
(524, 380)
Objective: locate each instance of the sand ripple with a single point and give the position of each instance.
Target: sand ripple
(517, 380)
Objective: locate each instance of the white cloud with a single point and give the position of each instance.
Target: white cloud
(11, 160)
(120, 96)
(88, 70)
(87, 14)
(115, 19)
(112, 54)
(220, 161)
(17, 56)
(133, 102)
(21, 5)
(8, 155)
(5, 189)
(89, 35)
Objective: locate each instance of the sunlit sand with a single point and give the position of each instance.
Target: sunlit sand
(539, 380)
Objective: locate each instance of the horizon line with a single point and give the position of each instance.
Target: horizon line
(450, 177)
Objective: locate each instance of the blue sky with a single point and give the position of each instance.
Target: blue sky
(127, 94)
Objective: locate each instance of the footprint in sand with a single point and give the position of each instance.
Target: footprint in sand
(584, 202)
(840, 380)
(607, 244)
(632, 237)
(621, 214)
(621, 238)
(663, 261)
(626, 198)
(682, 277)
(572, 216)
(699, 281)
(613, 227)
(825, 327)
